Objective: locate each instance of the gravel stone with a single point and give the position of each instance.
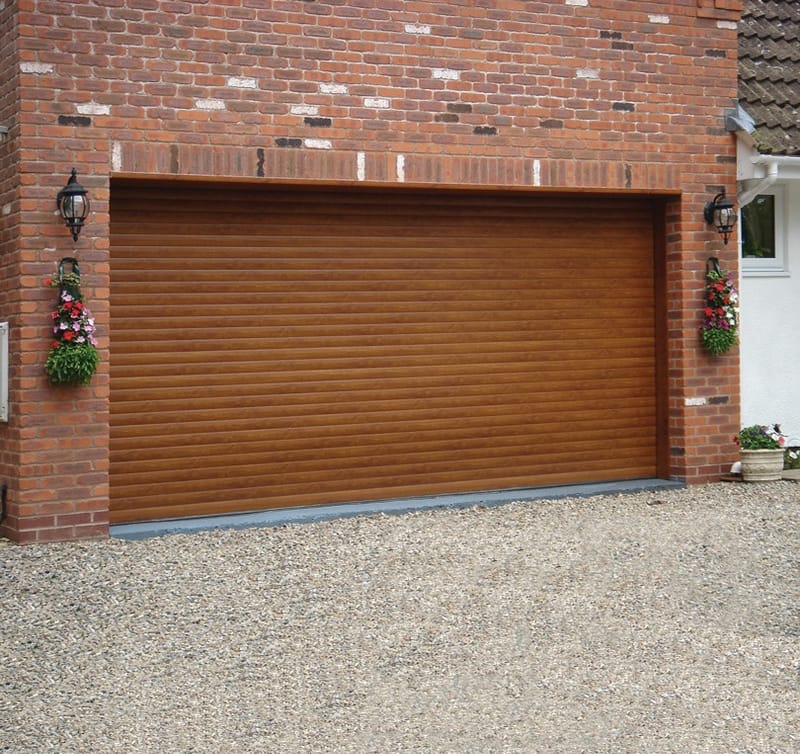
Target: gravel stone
(648, 622)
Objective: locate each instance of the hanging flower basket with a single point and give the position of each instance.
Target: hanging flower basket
(73, 357)
(719, 331)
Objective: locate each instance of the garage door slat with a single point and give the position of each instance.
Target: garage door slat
(302, 346)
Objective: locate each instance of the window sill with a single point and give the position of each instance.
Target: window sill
(765, 273)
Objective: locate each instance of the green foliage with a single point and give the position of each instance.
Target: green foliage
(70, 282)
(72, 364)
(791, 458)
(717, 341)
(760, 437)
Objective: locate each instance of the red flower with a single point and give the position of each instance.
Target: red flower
(709, 311)
(68, 335)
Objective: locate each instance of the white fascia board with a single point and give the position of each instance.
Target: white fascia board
(746, 152)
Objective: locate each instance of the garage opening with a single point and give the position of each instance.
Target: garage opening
(279, 346)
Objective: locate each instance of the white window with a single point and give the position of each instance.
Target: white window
(762, 234)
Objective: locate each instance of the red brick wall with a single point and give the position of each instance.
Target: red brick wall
(10, 294)
(578, 94)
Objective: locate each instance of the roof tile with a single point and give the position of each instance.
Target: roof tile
(769, 73)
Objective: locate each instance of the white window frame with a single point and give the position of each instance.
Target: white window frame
(777, 266)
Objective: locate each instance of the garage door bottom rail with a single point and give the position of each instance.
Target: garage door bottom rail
(315, 513)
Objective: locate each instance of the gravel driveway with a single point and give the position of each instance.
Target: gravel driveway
(647, 623)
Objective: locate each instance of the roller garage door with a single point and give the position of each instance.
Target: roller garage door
(277, 347)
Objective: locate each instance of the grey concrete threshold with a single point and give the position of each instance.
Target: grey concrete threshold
(312, 514)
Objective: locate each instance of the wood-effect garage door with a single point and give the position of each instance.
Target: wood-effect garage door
(276, 347)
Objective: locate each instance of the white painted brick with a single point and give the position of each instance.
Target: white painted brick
(727, 25)
(305, 110)
(116, 156)
(418, 29)
(93, 108)
(694, 402)
(400, 164)
(242, 82)
(361, 166)
(537, 172)
(317, 143)
(209, 104)
(588, 73)
(659, 19)
(379, 103)
(577, 2)
(448, 74)
(332, 89)
(6, 209)
(36, 67)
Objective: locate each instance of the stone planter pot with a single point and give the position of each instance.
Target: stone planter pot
(762, 465)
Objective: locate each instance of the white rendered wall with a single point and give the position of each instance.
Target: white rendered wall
(770, 335)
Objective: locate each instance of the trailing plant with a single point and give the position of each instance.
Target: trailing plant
(73, 357)
(719, 330)
(72, 365)
(760, 437)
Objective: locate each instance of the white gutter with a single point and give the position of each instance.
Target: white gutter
(777, 166)
(768, 159)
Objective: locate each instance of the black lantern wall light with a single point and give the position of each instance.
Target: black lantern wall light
(73, 204)
(721, 214)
